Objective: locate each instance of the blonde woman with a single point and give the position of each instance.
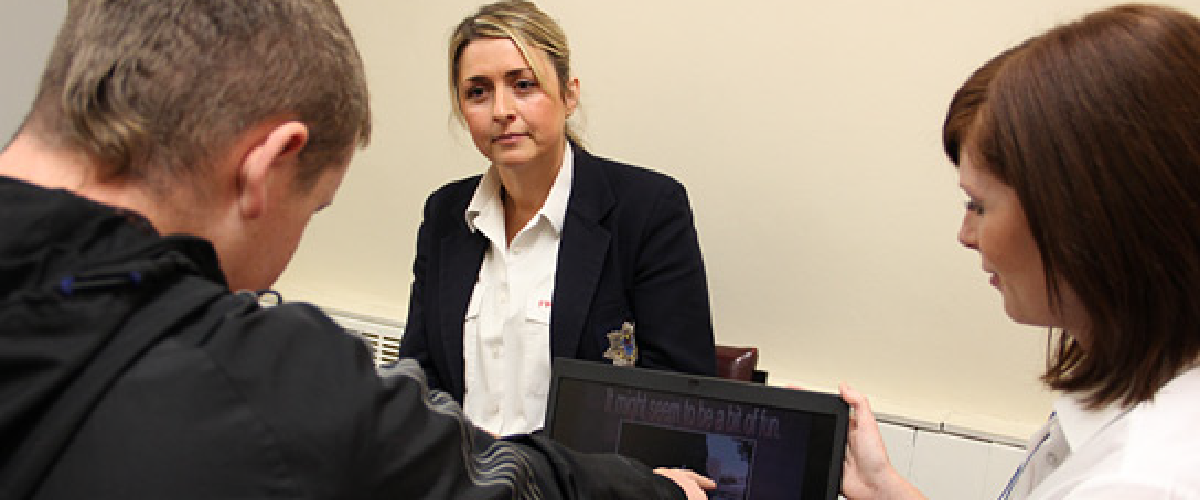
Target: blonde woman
(552, 251)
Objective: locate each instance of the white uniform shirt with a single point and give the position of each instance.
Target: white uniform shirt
(1151, 451)
(506, 333)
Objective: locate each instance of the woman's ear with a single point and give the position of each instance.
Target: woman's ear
(269, 163)
(571, 95)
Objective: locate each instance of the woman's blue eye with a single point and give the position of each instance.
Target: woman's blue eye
(473, 93)
(526, 84)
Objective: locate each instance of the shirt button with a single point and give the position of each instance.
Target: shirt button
(495, 352)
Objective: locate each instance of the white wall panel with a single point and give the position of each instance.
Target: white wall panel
(1001, 465)
(947, 467)
(900, 441)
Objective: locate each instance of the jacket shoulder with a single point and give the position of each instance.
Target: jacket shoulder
(458, 192)
(273, 395)
(627, 177)
(304, 330)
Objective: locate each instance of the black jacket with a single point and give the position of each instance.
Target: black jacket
(129, 370)
(629, 252)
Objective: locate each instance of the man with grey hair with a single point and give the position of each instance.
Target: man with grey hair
(174, 153)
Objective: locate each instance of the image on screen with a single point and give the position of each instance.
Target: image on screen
(727, 460)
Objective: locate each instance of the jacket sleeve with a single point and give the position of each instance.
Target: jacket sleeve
(669, 293)
(428, 449)
(415, 343)
(335, 427)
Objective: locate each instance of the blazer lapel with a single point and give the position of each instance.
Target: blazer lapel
(462, 254)
(581, 253)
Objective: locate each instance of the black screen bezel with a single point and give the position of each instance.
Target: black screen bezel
(832, 445)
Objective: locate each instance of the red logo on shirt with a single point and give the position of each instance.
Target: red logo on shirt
(543, 303)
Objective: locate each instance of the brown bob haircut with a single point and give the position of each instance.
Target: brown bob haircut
(152, 89)
(1096, 126)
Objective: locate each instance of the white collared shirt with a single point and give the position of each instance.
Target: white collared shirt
(1151, 451)
(506, 332)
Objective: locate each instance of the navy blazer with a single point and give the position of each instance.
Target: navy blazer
(628, 252)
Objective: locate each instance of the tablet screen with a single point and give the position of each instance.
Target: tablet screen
(756, 442)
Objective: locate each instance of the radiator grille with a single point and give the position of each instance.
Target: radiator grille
(380, 335)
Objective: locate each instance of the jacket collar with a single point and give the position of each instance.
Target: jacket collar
(53, 235)
(592, 195)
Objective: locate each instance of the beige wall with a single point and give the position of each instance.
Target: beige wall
(807, 134)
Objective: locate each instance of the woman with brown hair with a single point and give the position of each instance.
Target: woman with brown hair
(1079, 152)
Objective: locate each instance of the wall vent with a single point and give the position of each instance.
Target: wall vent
(381, 336)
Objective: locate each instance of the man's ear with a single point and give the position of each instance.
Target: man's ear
(268, 163)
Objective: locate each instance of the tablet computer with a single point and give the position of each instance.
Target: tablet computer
(755, 441)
